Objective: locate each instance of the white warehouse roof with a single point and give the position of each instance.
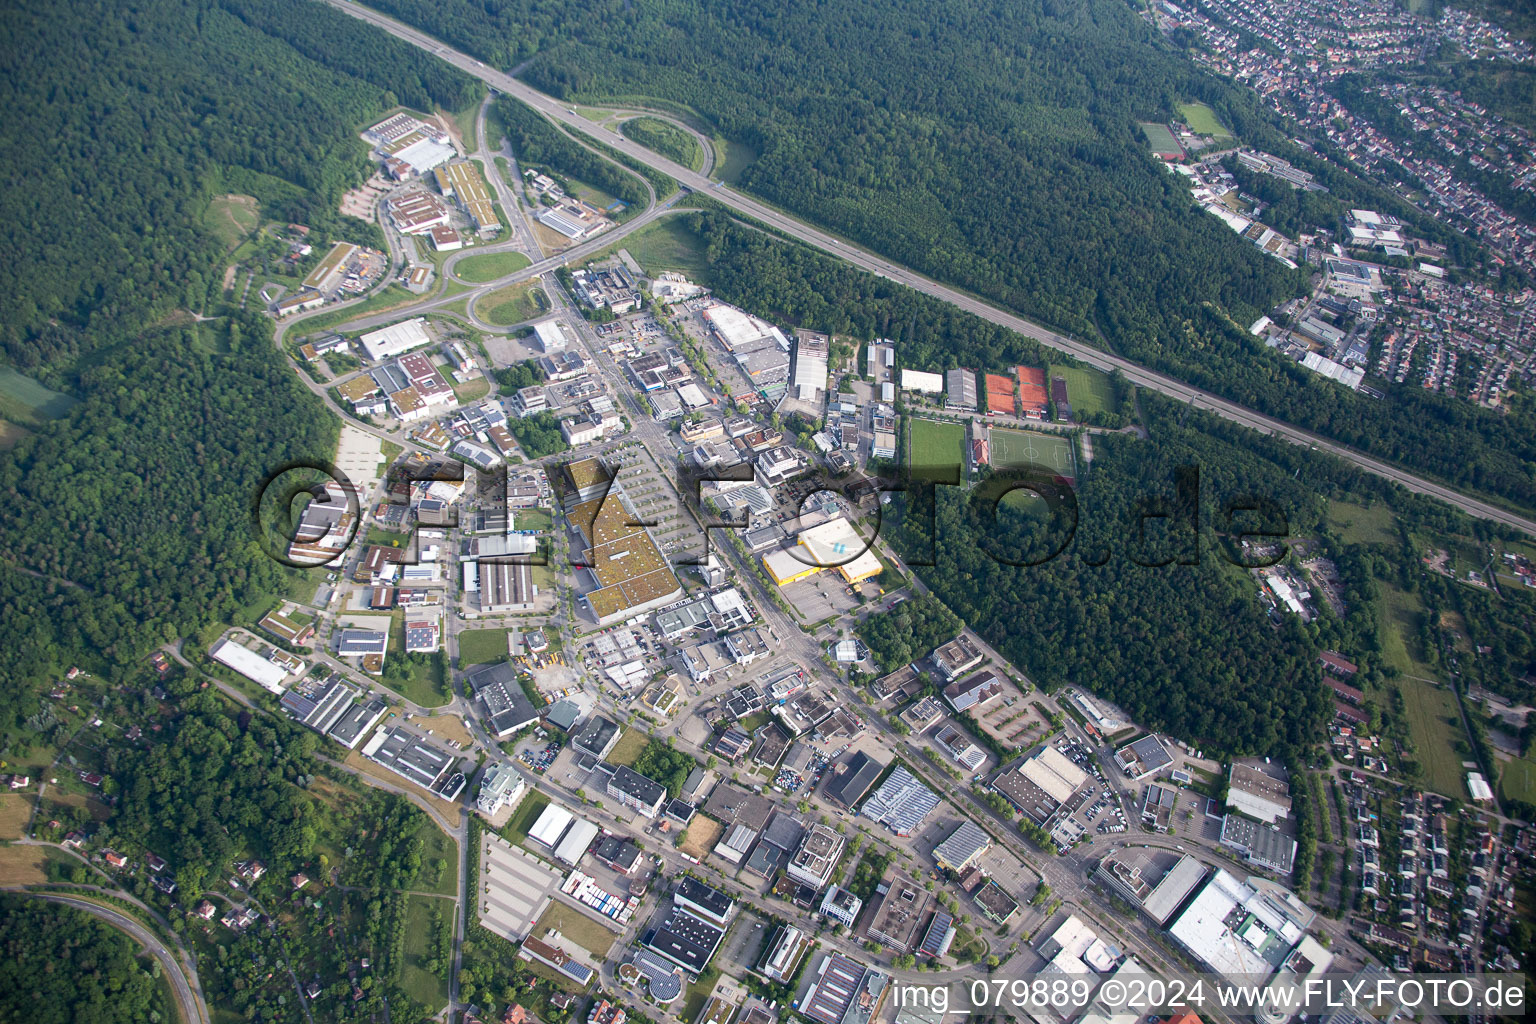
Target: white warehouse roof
(249, 664)
(576, 841)
(921, 380)
(551, 825)
(387, 342)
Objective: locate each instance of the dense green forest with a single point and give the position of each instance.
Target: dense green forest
(221, 784)
(997, 149)
(909, 631)
(128, 522)
(59, 965)
(1182, 646)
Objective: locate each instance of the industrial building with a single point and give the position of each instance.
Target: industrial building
(963, 848)
(1241, 930)
(1041, 783)
(396, 339)
(901, 803)
(816, 857)
(922, 382)
(1156, 882)
(1260, 796)
(1259, 845)
(901, 912)
(808, 366)
(265, 673)
(1144, 757)
(414, 759)
(960, 390)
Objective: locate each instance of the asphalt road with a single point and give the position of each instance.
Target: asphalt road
(192, 1008)
(865, 260)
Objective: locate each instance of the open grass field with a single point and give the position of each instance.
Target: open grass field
(23, 865)
(449, 727)
(481, 646)
(1435, 724)
(576, 926)
(536, 519)
(1358, 524)
(1202, 120)
(701, 836)
(1018, 449)
(25, 401)
(420, 934)
(630, 746)
(15, 809)
(231, 217)
(438, 848)
(1088, 390)
(590, 193)
(936, 446)
(513, 304)
(1518, 781)
(489, 266)
(1398, 631)
(471, 390)
(667, 245)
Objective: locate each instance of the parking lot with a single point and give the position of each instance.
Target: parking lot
(517, 888)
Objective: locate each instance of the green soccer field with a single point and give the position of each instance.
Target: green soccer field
(1088, 390)
(1202, 120)
(935, 445)
(1015, 449)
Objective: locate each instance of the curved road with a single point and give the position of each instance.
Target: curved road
(193, 1009)
(865, 260)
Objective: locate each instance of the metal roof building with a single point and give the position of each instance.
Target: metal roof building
(901, 803)
(964, 845)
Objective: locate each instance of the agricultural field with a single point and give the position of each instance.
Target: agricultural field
(1019, 449)
(491, 265)
(481, 646)
(1088, 390)
(513, 304)
(934, 445)
(1202, 120)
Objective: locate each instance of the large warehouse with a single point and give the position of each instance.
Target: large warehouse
(396, 339)
(833, 544)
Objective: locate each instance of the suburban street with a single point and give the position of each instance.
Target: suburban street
(874, 264)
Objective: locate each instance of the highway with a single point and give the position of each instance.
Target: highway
(189, 1002)
(865, 260)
